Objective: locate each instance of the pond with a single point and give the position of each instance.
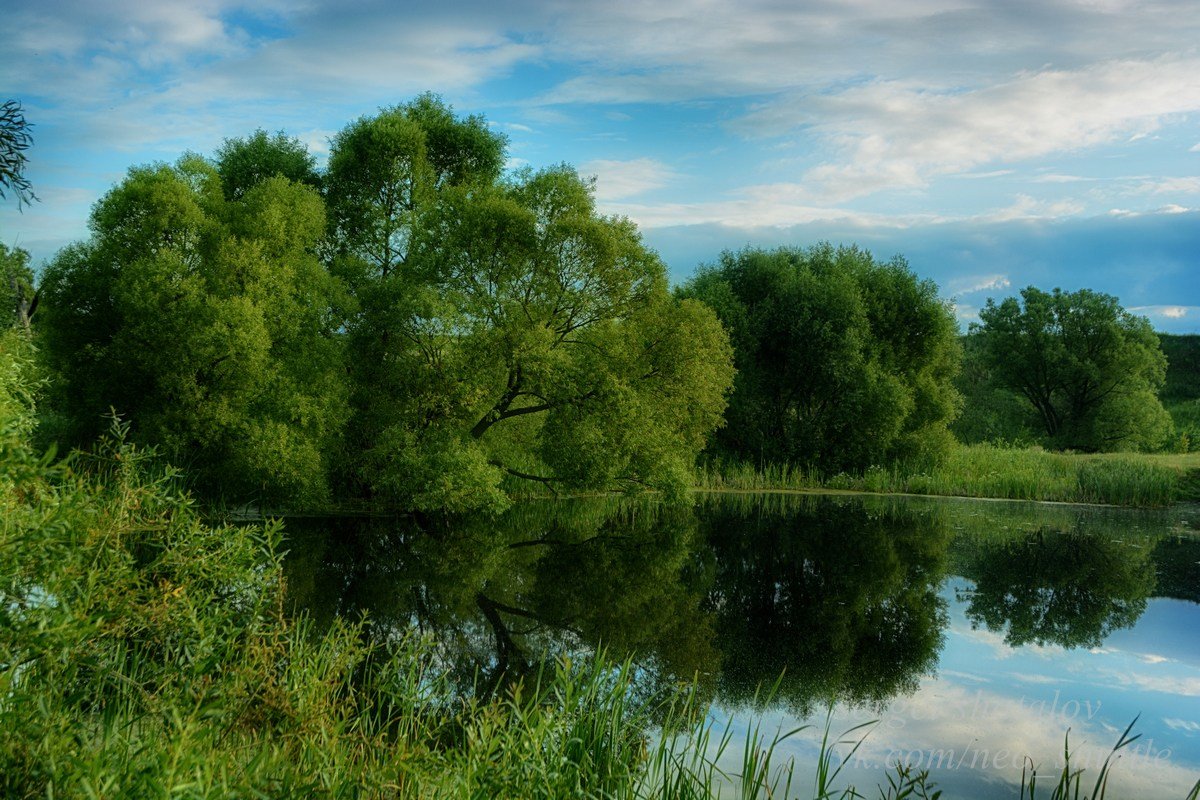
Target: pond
(972, 633)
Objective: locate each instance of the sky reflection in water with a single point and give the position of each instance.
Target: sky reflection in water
(976, 633)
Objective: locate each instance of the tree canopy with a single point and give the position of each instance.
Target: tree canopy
(431, 330)
(206, 324)
(16, 283)
(505, 330)
(843, 362)
(242, 164)
(1087, 371)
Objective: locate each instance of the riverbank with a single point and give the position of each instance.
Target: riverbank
(986, 471)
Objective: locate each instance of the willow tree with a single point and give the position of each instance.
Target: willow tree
(1087, 371)
(506, 332)
(843, 362)
(205, 324)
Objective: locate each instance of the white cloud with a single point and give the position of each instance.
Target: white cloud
(759, 206)
(1028, 207)
(970, 284)
(616, 180)
(1182, 725)
(996, 173)
(902, 134)
(1168, 312)
(1184, 184)
(1057, 178)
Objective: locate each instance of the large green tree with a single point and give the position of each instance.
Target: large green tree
(206, 324)
(1087, 371)
(505, 330)
(843, 362)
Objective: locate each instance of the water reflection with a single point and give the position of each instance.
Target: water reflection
(838, 598)
(842, 597)
(1058, 587)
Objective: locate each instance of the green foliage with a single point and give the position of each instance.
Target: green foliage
(1088, 371)
(242, 164)
(15, 139)
(990, 471)
(16, 283)
(1181, 391)
(991, 414)
(843, 362)
(1182, 383)
(432, 333)
(853, 619)
(506, 332)
(207, 325)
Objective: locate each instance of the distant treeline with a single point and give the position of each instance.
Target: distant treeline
(417, 326)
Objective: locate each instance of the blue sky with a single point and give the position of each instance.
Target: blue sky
(995, 145)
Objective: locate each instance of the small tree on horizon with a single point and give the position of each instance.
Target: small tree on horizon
(1087, 370)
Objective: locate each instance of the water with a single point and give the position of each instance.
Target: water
(973, 633)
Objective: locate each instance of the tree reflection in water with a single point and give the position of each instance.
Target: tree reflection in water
(840, 596)
(1061, 587)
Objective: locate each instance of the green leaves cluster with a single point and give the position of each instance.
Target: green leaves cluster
(425, 330)
(842, 362)
(207, 323)
(505, 331)
(16, 284)
(15, 139)
(1087, 372)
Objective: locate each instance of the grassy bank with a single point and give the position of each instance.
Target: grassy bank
(1127, 479)
(147, 654)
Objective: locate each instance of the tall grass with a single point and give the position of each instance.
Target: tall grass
(146, 654)
(995, 472)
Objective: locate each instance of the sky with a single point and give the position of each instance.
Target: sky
(994, 145)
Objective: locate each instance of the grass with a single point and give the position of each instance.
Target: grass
(146, 654)
(1126, 479)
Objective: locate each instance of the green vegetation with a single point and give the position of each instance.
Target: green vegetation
(15, 139)
(1130, 479)
(842, 362)
(1087, 372)
(424, 333)
(415, 328)
(208, 325)
(1181, 391)
(16, 286)
(144, 653)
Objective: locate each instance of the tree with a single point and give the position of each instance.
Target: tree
(242, 164)
(14, 141)
(206, 324)
(842, 362)
(1087, 370)
(16, 281)
(506, 332)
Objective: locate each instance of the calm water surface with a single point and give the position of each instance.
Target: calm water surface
(975, 633)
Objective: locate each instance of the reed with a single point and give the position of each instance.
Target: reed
(1126, 479)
